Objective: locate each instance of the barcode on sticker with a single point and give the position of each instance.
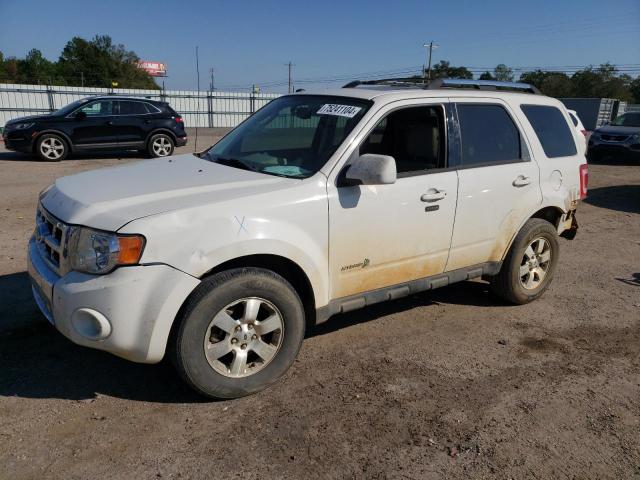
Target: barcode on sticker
(339, 110)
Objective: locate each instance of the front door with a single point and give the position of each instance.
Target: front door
(96, 129)
(384, 235)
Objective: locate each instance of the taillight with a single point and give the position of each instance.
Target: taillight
(584, 180)
(179, 120)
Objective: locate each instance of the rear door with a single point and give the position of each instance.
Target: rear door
(133, 122)
(498, 182)
(97, 128)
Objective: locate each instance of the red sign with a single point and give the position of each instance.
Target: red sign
(155, 69)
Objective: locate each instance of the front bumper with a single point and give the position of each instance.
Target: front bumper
(128, 312)
(18, 140)
(597, 146)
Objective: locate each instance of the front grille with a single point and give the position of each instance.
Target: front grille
(614, 138)
(52, 237)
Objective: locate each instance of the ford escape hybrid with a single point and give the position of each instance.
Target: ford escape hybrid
(315, 205)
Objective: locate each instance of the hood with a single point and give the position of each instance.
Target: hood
(30, 118)
(109, 198)
(618, 130)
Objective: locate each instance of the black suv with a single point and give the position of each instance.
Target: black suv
(99, 123)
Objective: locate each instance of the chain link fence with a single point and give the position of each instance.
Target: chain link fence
(198, 109)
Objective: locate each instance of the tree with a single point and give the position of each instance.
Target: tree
(503, 73)
(99, 63)
(601, 82)
(486, 76)
(554, 84)
(634, 89)
(443, 69)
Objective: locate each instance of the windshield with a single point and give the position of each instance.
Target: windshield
(70, 108)
(627, 120)
(292, 136)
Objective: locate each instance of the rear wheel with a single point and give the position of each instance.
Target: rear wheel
(160, 145)
(530, 264)
(238, 333)
(51, 147)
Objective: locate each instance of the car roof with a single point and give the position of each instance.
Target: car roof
(384, 94)
(121, 97)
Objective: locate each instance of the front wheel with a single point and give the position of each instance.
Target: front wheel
(51, 147)
(530, 264)
(238, 333)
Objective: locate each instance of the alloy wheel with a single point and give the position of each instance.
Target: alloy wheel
(161, 146)
(535, 263)
(52, 148)
(244, 337)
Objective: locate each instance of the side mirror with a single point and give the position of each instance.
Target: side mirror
(80, 115)
(372, 169)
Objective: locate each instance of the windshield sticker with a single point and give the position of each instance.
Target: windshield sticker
(339, 110)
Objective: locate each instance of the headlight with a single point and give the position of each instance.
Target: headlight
(23, 126)
(94, 251)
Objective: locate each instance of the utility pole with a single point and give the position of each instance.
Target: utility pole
(290, 90)
(430, 46)
(212, 84)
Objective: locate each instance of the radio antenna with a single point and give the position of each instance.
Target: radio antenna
(195, 144)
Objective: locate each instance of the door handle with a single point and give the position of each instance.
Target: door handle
(433, 196)
(147, 121)
(521, 181)
(109, 122)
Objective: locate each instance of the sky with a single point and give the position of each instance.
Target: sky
(330, 42)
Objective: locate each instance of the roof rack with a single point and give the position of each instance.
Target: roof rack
(449, 83)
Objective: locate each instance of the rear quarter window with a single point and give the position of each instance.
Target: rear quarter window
(552, 130)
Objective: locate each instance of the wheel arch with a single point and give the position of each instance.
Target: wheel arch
(285, 267)
(160, 130)
(63, 135)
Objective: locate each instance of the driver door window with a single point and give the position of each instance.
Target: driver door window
(102, 108)
(414, 137)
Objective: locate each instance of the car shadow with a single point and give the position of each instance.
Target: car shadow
(118, 154)
(470, 293)
(38, 362)
(623, 198)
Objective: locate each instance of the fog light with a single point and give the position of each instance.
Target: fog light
(90, 324)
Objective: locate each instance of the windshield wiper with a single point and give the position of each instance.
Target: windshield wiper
(232, 162)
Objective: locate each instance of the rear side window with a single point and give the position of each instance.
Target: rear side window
(552, 130)
(132, 108)
(488, 135)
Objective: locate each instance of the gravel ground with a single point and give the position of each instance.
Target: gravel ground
(446, 384)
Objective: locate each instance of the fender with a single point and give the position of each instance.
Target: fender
(160, 130)
(57, 132)
(504, 244)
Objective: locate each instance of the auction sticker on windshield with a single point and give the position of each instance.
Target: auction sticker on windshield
(339, 110)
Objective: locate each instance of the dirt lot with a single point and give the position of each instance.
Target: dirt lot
(446, 384)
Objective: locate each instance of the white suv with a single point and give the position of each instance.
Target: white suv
(315, 205)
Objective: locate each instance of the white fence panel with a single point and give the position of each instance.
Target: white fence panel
(202, 109)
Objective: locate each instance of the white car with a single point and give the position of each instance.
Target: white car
(577, 123)
(317, 204)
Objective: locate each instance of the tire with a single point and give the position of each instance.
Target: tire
(160, 145)
(538, 270)
(218, 318)
(51, 147)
